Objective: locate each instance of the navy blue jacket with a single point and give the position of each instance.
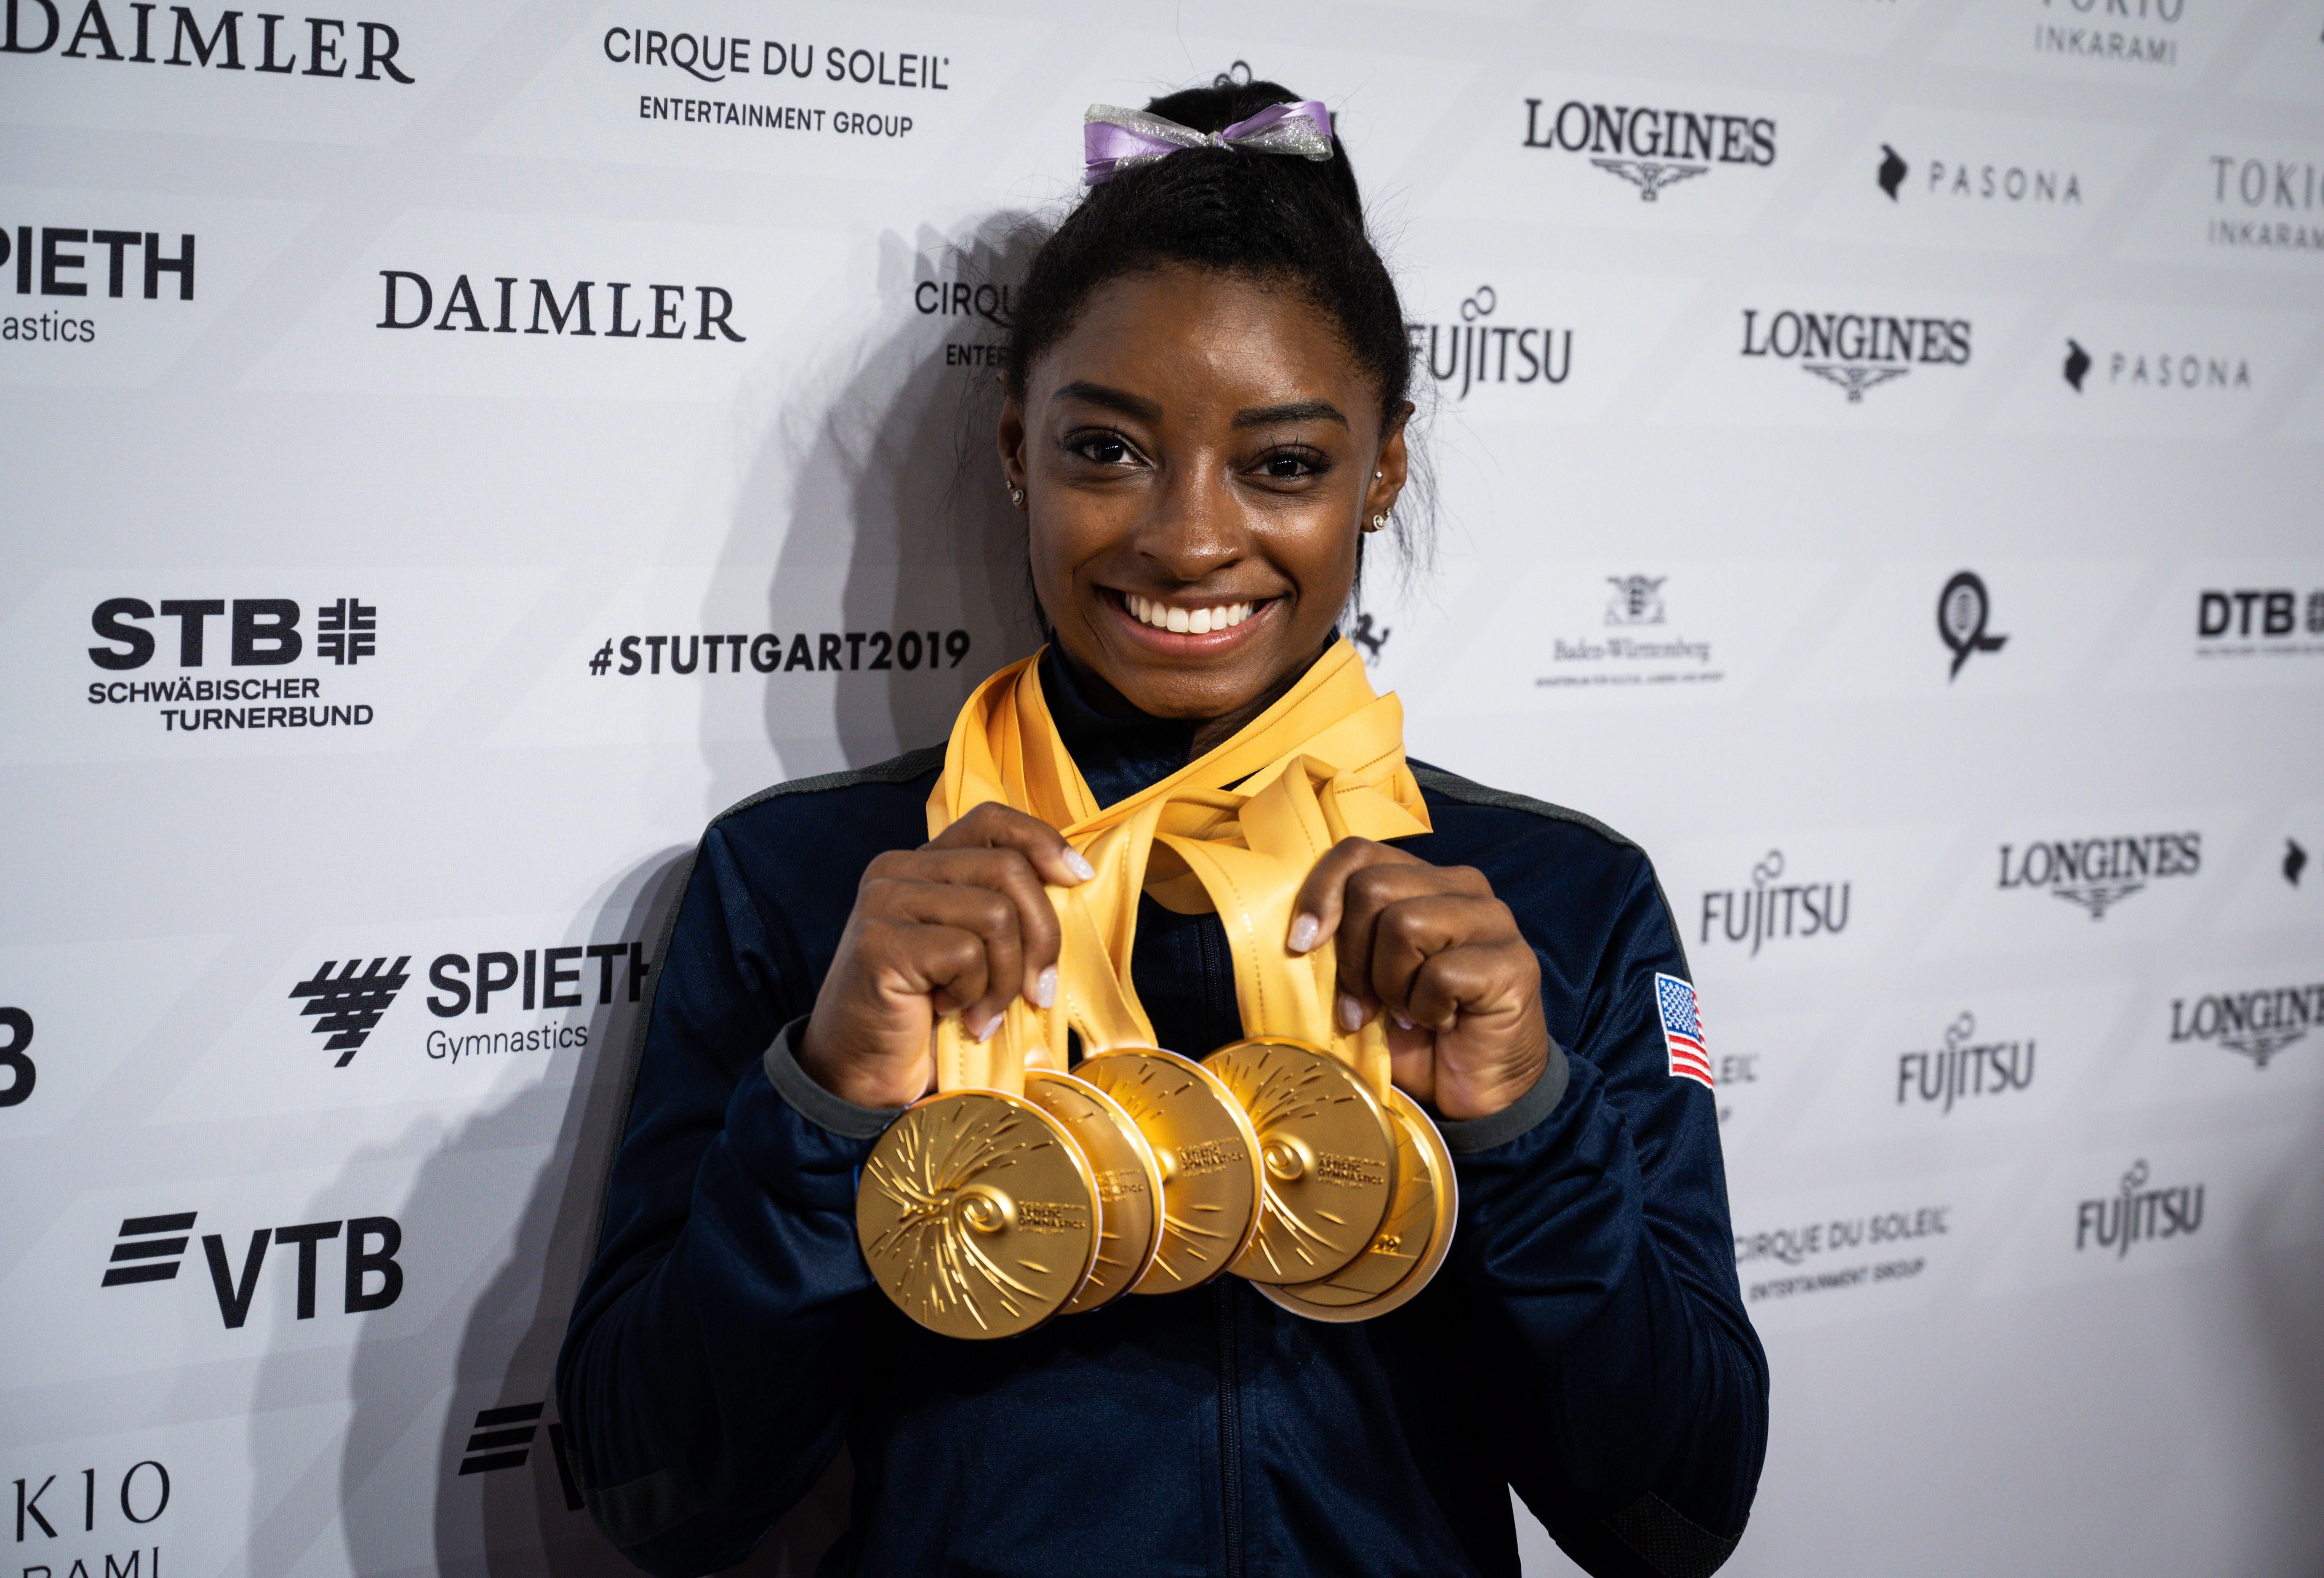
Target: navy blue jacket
(1585, 1342)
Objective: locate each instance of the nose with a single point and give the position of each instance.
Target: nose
(1196, 526)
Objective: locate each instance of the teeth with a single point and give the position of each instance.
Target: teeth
(1186, 621)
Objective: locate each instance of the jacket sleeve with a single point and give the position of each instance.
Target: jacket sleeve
(705, 1378)
(1595, 1244)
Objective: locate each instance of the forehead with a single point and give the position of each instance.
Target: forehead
(1196, 338)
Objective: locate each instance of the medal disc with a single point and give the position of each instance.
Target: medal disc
(1328, 1152)
(978, 1215)
(1404, 1256)
(1128, 1181)
(1207, 1153)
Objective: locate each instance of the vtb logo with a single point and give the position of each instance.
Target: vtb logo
(151, 1249)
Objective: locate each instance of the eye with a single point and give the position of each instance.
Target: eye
(1291, 465)
(1100, 447)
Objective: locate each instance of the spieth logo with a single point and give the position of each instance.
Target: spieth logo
(1772, 909)
(1650, 148)
(1986, 183)
(52, 266)
(1477, 352)
(2159, 370)
(2125, 30)
(2257, 193)
(1638, 600)
(2138, 1214)
(2257, 1024)
(151, 1248)
(665, 316)
(831, 651)
(1964, 1067)
(347, 1001)
(1857, 351)
(313, 46)
(2098, 873)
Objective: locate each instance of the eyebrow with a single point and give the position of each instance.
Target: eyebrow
(1297, 410)
(1111, 399)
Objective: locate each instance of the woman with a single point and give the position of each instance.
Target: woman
(1205, 414)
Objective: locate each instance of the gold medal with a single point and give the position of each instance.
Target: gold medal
(1327, 1150)
(1412, 1241)
(1207, 1154)
(1128, 1181)
(977, 1212)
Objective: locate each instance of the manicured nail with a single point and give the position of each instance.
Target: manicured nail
(1303, 933)
(984, 1032)
(1352, 1013)
(1402, 1023)
(1044, 990)
(1077, 865)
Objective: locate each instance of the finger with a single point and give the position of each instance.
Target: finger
(1315, 913)
(994, 825)
(1478, 981)
(988, 917)
(1008, 873)
(942, 964)
(1412, 1063)
(1405, 933)
(1372, 893)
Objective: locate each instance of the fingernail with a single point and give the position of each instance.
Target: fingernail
(984, 1032)
(1352, 1013)
(1303, 933)
(1402, 1023)
(1077, 865)
(1044, 990)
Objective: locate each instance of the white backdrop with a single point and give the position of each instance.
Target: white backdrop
(348, 756)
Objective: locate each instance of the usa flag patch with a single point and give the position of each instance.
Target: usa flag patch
(1682, 1029)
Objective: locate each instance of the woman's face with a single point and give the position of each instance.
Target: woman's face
(1198, 455)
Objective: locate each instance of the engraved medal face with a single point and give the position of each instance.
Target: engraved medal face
(1208, 1154)
(1329, 1154)
(977, 1214)
(1128, 1181)
(1404, 1256)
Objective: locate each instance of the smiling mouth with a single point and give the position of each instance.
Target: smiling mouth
(1203, 621)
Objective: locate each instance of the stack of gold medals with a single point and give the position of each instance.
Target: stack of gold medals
(1021, 1190)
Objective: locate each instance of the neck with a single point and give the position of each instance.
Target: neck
(1212, 733)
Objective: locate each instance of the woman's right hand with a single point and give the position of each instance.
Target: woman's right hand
(961, 922)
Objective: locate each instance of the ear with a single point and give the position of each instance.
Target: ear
(1380, 497)
(1011, 435)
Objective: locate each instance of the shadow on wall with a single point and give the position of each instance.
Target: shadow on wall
(900, 581)
(510, 1195)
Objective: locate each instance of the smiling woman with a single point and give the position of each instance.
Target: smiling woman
(1455, 1027)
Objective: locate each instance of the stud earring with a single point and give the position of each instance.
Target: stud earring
(1017, 495)
(1376, 523)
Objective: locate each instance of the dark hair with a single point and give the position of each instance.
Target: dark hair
(1275, 217)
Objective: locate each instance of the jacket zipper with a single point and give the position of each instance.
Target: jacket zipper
(1230, 1434)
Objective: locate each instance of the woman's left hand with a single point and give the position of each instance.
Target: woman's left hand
(1433, 948)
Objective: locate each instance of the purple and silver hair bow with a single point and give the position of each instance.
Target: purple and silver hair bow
(1114, 138)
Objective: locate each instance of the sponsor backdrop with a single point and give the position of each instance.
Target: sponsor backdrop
(454, 451)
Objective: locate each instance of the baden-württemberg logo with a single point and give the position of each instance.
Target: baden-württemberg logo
(2257, 1023)
(2098, 873)
(1476, 350)
(1772, 909)
(1638, 645)
(2137, 1213)
(1966, 1066)
(1650, 147)
(1857, 351)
